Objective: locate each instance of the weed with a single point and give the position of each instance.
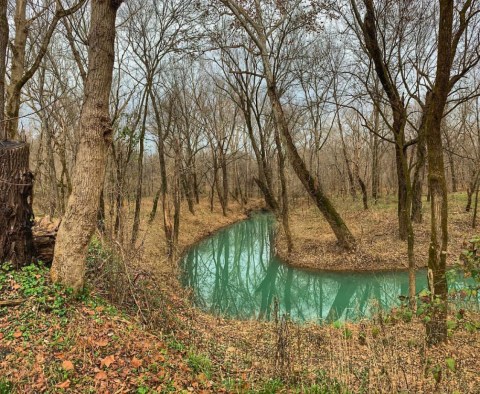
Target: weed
(347, 333)
(173, 344)
(272, 386)
(199, 364)
(375, 331)
(6, 387)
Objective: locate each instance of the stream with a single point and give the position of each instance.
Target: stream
(233, 273)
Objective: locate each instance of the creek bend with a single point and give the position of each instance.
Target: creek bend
(234, 273)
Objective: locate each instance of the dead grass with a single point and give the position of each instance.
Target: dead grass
(368, 357)
(376, 232)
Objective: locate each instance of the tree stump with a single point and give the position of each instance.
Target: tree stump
(16, 215)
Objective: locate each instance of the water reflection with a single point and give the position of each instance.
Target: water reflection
(233, 273)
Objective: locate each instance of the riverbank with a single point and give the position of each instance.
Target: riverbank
(193, 229)
(378, 246)
(385, 354)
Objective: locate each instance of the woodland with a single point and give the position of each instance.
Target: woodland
(242, 196)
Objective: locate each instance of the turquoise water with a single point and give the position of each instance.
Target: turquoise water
(234, 273)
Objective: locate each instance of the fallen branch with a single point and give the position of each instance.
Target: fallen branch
(14, 302)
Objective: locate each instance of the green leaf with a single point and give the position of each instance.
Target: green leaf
(450, 362)
(451, 324)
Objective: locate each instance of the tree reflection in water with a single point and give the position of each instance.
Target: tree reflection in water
(233, 273)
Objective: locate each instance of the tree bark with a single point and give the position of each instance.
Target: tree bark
(95, 132)
(17, 68)
(284, 211)
(3, 63)
(475, 208)
(16, 215)
(376, 156)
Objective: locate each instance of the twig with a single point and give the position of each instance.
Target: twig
(14, 302)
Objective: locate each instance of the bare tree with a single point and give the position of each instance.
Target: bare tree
(19, 73)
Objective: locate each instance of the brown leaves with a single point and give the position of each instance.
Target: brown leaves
(17, 334)
(107, 361)
(88, 311)
(64, 385)
(136, 363)
(101, 375)
(68, 365)
(101, 342)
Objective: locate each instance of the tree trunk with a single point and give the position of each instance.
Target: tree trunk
(19, 76)
(451, 162)
(475, 207)
(187, 185)
(101, 214)
(471, 189)
(17, 68)
(312, 186)
(16, 215)
(223, 189)
(138, 194)
(284, 193)
(419, 173)
(402, 209)
(437, 259)
(351, 181)
(167, 226)
(376, 158)
(263, 181)
(153, 212)
(3, 63)
(176, 204)
(363, 188)
(95, 132)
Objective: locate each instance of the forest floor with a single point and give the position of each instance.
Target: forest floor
(376, 232)
(154, 340)
(52, 342)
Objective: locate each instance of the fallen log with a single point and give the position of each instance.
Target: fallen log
(44, 235)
